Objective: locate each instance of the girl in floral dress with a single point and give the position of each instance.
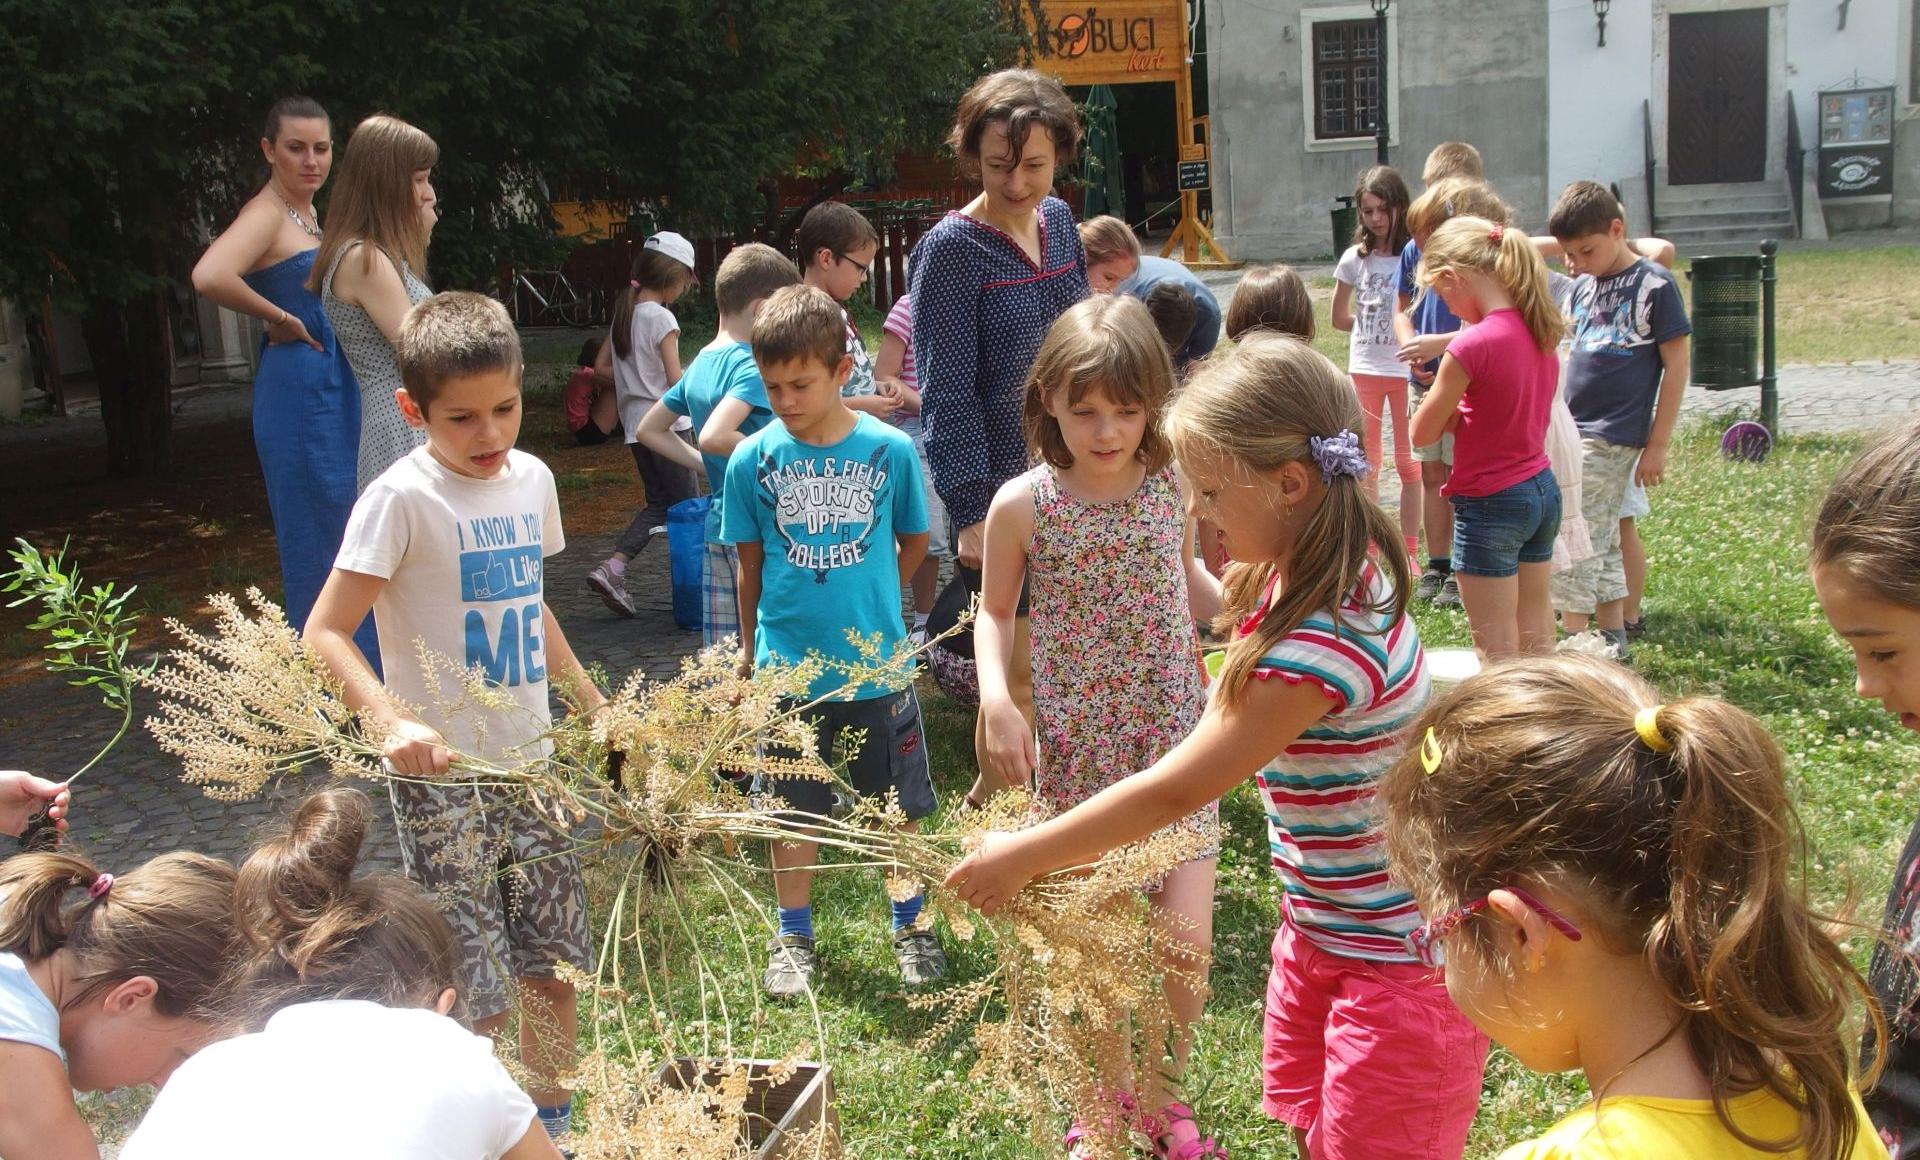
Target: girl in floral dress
(1098, 533)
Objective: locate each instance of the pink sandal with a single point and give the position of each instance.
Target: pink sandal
(1079, 1144)
(1180, 1139)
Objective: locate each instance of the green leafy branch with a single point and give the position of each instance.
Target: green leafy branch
(91, 629)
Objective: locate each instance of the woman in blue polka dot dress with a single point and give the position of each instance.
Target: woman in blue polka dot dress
(987, 283)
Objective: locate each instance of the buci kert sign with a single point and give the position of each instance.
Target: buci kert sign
(1119, 42)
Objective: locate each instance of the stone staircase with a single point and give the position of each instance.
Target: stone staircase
(1721, 218)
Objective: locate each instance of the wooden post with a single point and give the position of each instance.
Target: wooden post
(1190, 234)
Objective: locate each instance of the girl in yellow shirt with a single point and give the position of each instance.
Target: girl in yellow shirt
(1609, 879)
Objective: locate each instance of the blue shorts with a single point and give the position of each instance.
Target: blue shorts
(1494, 534)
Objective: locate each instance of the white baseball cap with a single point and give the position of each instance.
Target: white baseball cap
(673, 246)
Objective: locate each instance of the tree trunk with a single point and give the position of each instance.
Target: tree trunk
(133, 364)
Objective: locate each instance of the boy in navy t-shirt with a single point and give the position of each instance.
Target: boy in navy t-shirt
(1627, 362)
(829, 514)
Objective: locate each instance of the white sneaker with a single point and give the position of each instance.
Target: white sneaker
(611, 589)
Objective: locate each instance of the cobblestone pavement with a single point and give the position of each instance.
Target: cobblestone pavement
(134, 805)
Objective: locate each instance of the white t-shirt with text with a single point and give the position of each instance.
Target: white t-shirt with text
(335, 1079)
(464, 560)
(1375, 279)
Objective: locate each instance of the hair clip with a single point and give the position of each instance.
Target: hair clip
(1430, 753)
(1647, 724)
(101, 885)
(1338, 455)
(633, 283)
(1497, 232)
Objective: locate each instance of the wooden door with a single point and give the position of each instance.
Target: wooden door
(1717, 96)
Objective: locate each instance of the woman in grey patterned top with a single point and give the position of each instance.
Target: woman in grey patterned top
(368, 271)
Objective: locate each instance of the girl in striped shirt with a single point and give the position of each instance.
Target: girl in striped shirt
(1364, 1055)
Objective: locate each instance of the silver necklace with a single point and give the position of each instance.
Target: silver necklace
(311, 229)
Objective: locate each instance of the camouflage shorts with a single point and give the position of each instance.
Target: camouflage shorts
(516, 902)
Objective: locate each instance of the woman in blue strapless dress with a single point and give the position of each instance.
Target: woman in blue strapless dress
(306, 405)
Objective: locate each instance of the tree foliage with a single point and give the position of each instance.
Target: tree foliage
(132, 125)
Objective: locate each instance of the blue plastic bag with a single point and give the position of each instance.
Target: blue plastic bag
(687, 546)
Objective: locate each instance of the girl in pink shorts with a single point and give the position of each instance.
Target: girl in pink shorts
(1365, 1055)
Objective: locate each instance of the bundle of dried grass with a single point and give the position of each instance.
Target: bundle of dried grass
(1073, 988)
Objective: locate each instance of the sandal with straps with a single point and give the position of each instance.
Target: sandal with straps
(1079, 1136)
(1181, 1138)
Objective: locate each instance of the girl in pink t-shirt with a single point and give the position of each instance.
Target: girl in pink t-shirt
(1494, 391)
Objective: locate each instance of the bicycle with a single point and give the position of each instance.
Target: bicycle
(554, 300)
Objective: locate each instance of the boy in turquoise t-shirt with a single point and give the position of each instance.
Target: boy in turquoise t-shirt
(829, 514)
(721, 392)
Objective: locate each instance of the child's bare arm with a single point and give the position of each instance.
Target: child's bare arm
(1226, 748)
(1203, 587)
(877, 404)
(1658, 250)
(565, 669)
(670, 356)
(655, 433)
(912, 549)
(1675, 362)
(1003, 561)
(535, 1145)
(413, 748)
(603, 362)
(722, 433)
(753, 557)
(1437, 410)
(1342, 306)
(1403, 318)
(37, 1116)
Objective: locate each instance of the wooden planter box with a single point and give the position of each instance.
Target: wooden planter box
(780, 1118)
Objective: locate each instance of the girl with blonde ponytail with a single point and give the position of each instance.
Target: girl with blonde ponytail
(1364, 1055)
(1612, 884)
(1494, 392)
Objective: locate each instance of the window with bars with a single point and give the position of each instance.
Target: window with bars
(1346, 78)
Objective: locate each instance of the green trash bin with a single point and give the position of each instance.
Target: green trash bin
(1726, 321)
(1346, 219)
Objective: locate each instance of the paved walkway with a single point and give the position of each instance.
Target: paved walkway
(134, 805)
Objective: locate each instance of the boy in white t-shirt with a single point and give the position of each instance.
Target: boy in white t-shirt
(447, 547)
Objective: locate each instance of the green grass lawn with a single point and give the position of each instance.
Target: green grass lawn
(1831, 306)
(1731, 613)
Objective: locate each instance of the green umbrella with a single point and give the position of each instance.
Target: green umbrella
(1100, 155)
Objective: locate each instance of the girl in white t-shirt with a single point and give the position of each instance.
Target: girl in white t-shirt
(643, 358)
(347, 983)
(105, 983)
(1367, 281)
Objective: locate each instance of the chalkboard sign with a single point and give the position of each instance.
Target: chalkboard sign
(1195, 175)
(1856, 171)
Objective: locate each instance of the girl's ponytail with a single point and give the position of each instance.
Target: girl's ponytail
(171, 920)
(1519, 268)
(652, 270)
(1508, 256)
(36, 888)
(1765, 990)
(313, 930)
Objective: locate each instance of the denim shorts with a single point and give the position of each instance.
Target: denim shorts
(891, 755)
(1494, 534)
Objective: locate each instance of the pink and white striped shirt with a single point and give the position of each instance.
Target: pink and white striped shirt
(1322, 824)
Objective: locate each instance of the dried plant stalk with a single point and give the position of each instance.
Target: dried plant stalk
(1072, 995)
